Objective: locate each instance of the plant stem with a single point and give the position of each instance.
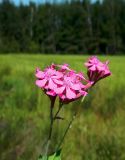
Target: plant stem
(51, 126)
(53, 118)
(51, 123)
(69, 126)
(59, 108)
(66, 131)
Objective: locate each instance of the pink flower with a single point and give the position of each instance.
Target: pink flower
(60, 80)
(67, 84)
(72, 87)
(48, 79)
(64, 67)
(96, 69)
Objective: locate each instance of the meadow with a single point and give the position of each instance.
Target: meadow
(97, 132)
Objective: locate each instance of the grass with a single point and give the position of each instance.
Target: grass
(96, 134)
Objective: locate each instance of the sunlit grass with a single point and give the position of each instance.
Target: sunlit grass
(96, 134)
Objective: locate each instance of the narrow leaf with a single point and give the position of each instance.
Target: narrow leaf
(55, 156)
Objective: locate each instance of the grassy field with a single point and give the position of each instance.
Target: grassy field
(96, 134)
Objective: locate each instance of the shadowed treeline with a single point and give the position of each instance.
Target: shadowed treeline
(78, 26)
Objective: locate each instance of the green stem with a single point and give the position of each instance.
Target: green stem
(66, 131)
(51, 126)
(69, 126)
(59, 108)
(52, 119)
(51, 123)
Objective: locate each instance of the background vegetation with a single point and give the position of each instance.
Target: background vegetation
(70, 27)
(96, 134)
(77, 26)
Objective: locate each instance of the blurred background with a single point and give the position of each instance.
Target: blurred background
(35, 34)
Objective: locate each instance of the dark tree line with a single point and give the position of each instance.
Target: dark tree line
(78, 27)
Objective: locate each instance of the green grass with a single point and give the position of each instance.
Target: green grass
(96, 134)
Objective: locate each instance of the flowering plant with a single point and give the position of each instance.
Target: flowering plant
(69, 85)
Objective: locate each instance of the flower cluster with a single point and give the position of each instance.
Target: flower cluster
(60, 80)
(96, 69)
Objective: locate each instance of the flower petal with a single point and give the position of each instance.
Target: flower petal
(62, 96)
(75, 86)
(58, 81)
(59, 90)
(70, 94)
(92, 68)
(87, 64)
(41, 83)
(39, 74)
(51, 93)
(51, 84)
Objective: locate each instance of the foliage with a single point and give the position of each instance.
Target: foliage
(24, 115)
(55, 156)
(77, 27)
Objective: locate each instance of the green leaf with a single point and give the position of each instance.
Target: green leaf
(55, 156)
